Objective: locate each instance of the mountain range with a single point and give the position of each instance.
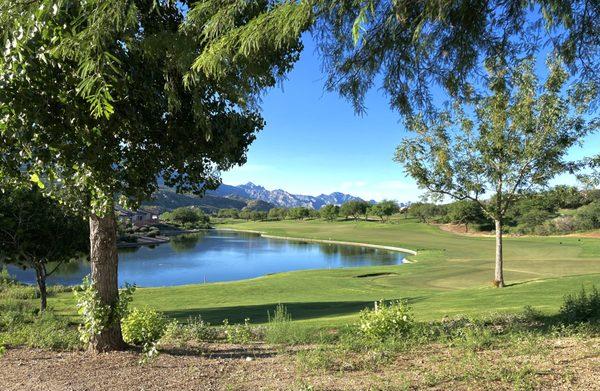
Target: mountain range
(282, 198)
(249, 196)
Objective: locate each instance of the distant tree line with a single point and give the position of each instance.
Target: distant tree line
(354, 209)
(562, 209)
(188, 217)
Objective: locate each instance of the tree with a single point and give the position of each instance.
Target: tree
(258, 215)
(245, 215)
(100, 99)
(588, 217)
(277, 214)
(514, 140)
(465, 212)
(298, 213)
(566, 196)
(413, 47)
(423, 211)
(354, 208)
(37, 233)
(385, 208)
(187, 216)
(231, 213)
(330, 212)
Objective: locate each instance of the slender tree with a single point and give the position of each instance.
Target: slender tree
(98, 102)
(37, 233)
(513, 140)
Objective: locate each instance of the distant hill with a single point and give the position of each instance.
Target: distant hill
(166, 199)
(259, 205)
(249, 196)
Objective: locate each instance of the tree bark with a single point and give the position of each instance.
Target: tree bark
(499, 273)
(104, 263)
(40, 276)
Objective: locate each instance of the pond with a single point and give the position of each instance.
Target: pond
(216, 255)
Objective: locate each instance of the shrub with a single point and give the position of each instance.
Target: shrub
(238, 333)
(581, 307)
(45, 331)
(282, 330)
(143, 326)
(196, 330)
(94, 315)
(386, 320)
(128, 238)
(19, 292)
(588, 217)
(6, 278)
(200, 330)
(565, 224)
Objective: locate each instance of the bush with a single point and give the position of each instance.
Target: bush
(238, 333)
(95, 315)
(21, 326)
(565, 224)
(588, 217)
(128, 238)
(6, 278)
(386, 320)
(196, 330)
(143, 326)
(581, 307)
(282, 330)
(19, 292)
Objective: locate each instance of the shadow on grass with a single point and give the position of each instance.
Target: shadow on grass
(259, 313)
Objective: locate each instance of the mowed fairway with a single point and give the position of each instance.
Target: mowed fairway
(451, 275)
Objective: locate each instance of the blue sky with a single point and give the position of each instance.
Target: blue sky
(314, 143)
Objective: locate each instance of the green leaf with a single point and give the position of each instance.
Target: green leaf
(357, 26)
(36, 179)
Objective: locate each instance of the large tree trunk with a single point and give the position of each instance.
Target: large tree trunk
(40, 276)
(499, 273)
(104, 262)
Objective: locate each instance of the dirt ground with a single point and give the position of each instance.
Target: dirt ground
(566, 364)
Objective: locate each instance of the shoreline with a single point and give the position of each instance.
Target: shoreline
(326, 241)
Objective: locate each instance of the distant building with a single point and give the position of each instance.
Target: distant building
(138, 218)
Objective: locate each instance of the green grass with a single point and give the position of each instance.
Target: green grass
(451, 275)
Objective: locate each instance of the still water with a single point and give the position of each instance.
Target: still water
(215, 255)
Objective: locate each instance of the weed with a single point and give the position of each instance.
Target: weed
(238, 333)
(282, 330)
(581, 307)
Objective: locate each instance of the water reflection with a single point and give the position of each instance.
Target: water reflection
(186, 242)
(212, 255)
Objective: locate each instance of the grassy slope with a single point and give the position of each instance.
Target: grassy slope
(451, 276)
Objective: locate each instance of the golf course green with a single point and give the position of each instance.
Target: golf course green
(450, 275)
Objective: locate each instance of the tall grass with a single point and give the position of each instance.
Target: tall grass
(282, 330)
